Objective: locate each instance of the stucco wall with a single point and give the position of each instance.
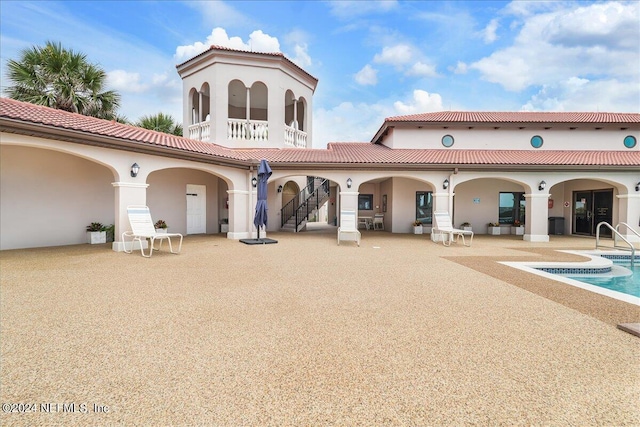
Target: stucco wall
(48, 197)
(477, 202)
(166, 197)
(516, 139)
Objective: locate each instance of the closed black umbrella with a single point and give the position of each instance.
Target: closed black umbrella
(260, 219)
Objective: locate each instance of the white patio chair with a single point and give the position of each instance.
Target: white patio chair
(142, 228)
(348, 226)
(444, 227)
(378, 222)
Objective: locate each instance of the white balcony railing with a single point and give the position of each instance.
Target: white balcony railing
(200, 131)
(252, 130)
(294, 138)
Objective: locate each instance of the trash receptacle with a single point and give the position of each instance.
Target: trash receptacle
(556, 225)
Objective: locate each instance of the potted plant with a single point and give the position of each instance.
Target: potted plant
(417, 227)
(160, 226)
(224, 225)
(517, 228)
(493, 228)
(466, 226)
(96, 233)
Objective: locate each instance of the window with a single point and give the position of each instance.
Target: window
(424, 206)
(447, 141)
(536, 141)
(512, 208)
(630, 141)
(365, 202)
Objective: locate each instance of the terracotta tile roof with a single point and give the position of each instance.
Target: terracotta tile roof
(228, 49)
(50, 117)
(48, 121)
(517, 117)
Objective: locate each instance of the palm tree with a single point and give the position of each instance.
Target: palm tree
(62, 79)
(162, 123)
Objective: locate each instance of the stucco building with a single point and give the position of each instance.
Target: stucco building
(60, 171)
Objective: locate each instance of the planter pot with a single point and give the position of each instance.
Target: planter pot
(224, 228)
(417, 230)
(161, 230)
(96, 237)
(467, 228)
(519, 231)
(493, 231)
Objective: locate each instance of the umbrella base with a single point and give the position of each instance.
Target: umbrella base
(263, 241)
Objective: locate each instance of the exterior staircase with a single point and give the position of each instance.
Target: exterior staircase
(295, 214)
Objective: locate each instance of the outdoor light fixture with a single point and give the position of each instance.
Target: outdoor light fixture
(254, 182)
(134, 170)
(279, 188)
(349, 182)
(638, 186)
(542, 185)
(445, 184)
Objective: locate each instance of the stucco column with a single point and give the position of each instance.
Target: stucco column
(348, 201)
(629, 213)
(536, 228)
(295, 123)
(200, 118)
(126, 193)
(238, 208)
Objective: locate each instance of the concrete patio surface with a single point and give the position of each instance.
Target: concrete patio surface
(400, 331)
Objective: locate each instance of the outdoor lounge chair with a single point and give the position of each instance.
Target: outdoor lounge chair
(142, 228)
(444, 228)
(348, 226)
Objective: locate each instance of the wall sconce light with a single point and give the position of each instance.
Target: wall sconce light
(134, 170)
(279, 188)
(638, 186)
(349, 182)
(254, 182)
(542, 185)
(445, 184)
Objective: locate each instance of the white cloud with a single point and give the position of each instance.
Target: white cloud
(258, 42)
(348, 122)
(367, 76)
(489, 32)
(422, 70)
(394, 55)
(124, 81)
(421, 102)
(460, 68)
(577, 94)
(301, 57)
(358, 122)
(591, 41)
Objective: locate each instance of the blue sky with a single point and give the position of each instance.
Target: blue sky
(373, 59)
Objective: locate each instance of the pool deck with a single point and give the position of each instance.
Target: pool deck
(399, 331)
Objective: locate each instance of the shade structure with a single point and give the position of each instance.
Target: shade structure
(260, 218)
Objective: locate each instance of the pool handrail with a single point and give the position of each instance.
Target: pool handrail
(615, 233)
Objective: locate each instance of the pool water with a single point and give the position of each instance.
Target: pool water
(629, 285)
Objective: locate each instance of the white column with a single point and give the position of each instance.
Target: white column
(629, 213)
(295, 122)
(238, 208)
(536, 227)
(200, 118)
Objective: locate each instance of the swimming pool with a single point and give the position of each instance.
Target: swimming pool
(607, 273)
(628, 284)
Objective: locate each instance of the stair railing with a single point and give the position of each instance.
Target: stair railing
(304, 203)
(616, 234)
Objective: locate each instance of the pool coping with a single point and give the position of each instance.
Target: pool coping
(596, 261)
